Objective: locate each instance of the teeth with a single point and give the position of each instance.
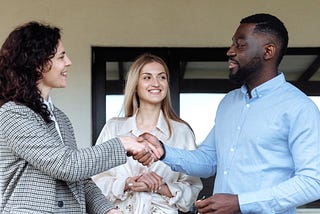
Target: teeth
(154, 91)
(232, 64)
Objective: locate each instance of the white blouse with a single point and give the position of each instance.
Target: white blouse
(184, 188)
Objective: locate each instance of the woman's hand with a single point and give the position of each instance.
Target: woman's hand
(114, 211)
(146, 182)
(152, 180)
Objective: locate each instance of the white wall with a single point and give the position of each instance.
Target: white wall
(165, 23)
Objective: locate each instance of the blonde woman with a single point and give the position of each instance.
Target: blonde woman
(135, 188)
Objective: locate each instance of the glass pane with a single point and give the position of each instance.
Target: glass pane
(199, 111)
(205, 70)
(316, 99)
(114, 106)
(116, 69)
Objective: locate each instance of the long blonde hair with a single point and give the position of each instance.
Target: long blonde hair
(131, 99)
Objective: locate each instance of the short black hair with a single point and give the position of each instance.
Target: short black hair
(270, 24)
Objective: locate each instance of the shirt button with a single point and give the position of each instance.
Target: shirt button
(238, 127)
(60, 203)
(247, 105)
(225, 172)
(232, 149)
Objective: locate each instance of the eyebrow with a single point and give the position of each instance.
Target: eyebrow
(151, 73)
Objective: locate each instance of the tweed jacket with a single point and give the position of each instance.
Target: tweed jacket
(34, 162)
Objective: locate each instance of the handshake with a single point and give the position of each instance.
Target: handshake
(146, 148)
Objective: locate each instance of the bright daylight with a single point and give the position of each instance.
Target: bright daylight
(197, 109)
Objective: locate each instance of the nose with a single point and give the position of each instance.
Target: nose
(231, 51)
(155, 82)
(68, 61)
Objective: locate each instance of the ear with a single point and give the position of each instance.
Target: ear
(269, 51)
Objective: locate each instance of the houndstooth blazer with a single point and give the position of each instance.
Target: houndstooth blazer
(34, 162)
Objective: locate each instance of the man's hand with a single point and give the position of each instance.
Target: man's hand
(219, 204)
(140, 151)
(154, 144)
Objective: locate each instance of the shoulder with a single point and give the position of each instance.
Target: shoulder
(111, 128)
(11, 108)
(295, 98)
(58, 112)
(115, 122)
(179, 126)
(183, 132)
(61, 117)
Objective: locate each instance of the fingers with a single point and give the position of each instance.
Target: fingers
(114, 211)
(152, 180)
(157, 152)
(146, 182)
(146, 158)
(154, 144)
(146, 148)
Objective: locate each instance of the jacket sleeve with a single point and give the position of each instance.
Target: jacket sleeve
(96, 202)
(29, 138)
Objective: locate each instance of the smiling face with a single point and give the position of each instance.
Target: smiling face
(246, 54)
(56, 74)
(152, 85)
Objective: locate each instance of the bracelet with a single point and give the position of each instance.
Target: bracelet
(164, 151)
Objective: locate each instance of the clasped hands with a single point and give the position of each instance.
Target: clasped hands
(146, 148)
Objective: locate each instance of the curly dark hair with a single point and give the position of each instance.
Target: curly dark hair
(270, 24)
(24, 56)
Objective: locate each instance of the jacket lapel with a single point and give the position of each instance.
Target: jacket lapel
(68, 140)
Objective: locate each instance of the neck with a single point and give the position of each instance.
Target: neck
(44, 91)
(147, 118)
(259, 80)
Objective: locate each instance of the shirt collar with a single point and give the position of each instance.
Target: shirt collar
(130, 126)
(49, 104)
(266, 87)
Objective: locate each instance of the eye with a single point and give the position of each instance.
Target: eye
(163, 77)
(146, 77)
(240, 45)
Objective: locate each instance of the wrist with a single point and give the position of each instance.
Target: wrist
(164, 151)
(164, 191)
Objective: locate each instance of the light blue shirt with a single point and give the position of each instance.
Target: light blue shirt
(265, 148)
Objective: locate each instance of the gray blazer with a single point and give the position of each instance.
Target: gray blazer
(41, 174)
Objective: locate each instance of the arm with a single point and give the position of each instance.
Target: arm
(184, 191)
(200, 162)
(181, 190)
(184, 188)
(113, 184)
(113, 181)
(96, 202)
(30, 139)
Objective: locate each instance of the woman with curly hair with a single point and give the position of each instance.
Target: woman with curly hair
(41, 169)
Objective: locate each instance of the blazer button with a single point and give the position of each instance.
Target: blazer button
(60, 203)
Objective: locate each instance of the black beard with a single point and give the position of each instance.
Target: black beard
(245, 73)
